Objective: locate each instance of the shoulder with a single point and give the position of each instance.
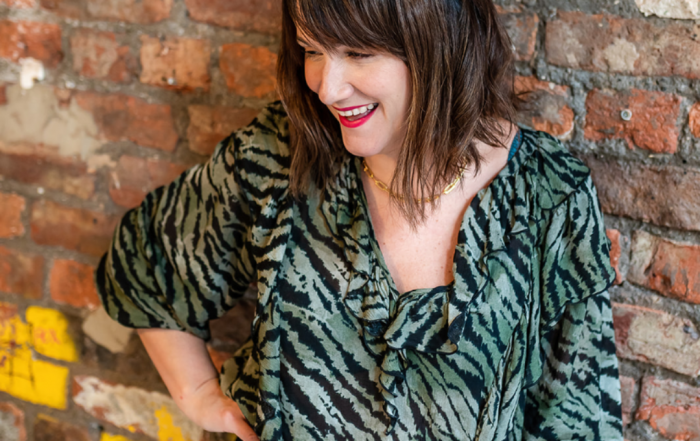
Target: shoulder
(554, 174)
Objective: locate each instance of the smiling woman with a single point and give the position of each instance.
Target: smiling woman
(425, 269)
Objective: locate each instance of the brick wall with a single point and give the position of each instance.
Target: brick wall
(135, 92)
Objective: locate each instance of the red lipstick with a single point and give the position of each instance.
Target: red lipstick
(358, 122)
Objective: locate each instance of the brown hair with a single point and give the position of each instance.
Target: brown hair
(461, 66)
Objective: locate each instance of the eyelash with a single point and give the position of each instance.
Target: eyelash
(351, 54)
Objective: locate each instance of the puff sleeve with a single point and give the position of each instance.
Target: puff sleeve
(577, 392)
(183, 256)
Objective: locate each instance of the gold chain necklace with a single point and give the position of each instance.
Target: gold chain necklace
(382, 186)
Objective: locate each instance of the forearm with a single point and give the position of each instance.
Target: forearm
(181, 359)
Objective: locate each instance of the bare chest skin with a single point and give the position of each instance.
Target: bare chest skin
(422, 257)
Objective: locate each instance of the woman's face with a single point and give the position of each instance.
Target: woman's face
(377, 85)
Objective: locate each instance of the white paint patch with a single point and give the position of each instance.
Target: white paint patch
(132, 408)
(621, 56)
(689, 9)
(30, 70)
(34, 116)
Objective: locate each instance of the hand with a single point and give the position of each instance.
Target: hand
(213, 411)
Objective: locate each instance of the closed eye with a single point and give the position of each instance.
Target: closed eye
(353, 54)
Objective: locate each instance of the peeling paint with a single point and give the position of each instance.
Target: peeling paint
(108, 437)
(670, 8)
(106, 332)
(151, 413)
(621, 56)
(31, 70)
(50, 334)
(37, 116)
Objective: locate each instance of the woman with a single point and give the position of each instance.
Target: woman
(425, 269)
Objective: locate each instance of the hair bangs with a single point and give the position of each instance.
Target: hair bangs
(353, 24)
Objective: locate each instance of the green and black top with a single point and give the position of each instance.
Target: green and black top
(519, 346)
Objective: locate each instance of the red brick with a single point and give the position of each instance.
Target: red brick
(218, 357)
(98, 55)
(85, 231)
(11, 215)
(663, 195)
(522, 30)
(632, 46)
(671, 268)
(72, 283)
(135, 177)
(209, 125)
(615, 253)
(694, 120)
(43, 166)
(671, 407)
(628, 390)
(50, 429)
(21, 273)
(24, 39)
(547, 107)
(175, 63)
(121, 117)
(12, 423)
(658, 338)
(263, 16)
(652, 125)
(20, 4)
(250, 71)
(143, 12)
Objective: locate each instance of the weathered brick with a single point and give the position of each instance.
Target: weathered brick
(263, 16)
(41, 165)
(522, 30)
(97, 54)
(211, 124)
(3, 94)
(21, 273)
(628, 390)
(23, 39)
(250, 71)
(546, 107)
(85, 231)
(150, 413)
(135, 177)
(50, 429)
(632, 46)
(12, 423)
(668, 267)
(121, 117)
(694, 120)
(72, 283)
(653, 118)
(20, 4)
(615, 253)
(663, 195)
(669, 8)
(11, 215)
(671, 407)
(658, 338)
(143, 12)
(175, 63)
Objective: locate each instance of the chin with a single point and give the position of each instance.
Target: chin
(361, 147)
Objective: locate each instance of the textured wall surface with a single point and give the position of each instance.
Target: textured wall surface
(103, 101)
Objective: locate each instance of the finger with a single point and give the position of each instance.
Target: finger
(238, 424)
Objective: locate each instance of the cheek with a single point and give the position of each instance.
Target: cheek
(313, 77)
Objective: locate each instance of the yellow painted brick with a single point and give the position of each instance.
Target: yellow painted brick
(108, 437)
(36, 381)
(50, 334)
(167, 430)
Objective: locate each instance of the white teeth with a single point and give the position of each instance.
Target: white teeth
(357, 111)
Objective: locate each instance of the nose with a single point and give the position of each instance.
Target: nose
(334, 82)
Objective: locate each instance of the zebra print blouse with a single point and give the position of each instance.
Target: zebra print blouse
(519, 346)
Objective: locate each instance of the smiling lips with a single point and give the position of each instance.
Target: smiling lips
(356, 116)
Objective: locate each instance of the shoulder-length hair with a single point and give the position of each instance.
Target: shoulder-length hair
(461, 68)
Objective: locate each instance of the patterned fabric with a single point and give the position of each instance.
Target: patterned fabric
(519, 346)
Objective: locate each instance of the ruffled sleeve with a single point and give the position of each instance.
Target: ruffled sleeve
(573, 389)
(183, 257)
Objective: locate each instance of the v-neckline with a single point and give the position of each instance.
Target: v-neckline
(357, 170)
